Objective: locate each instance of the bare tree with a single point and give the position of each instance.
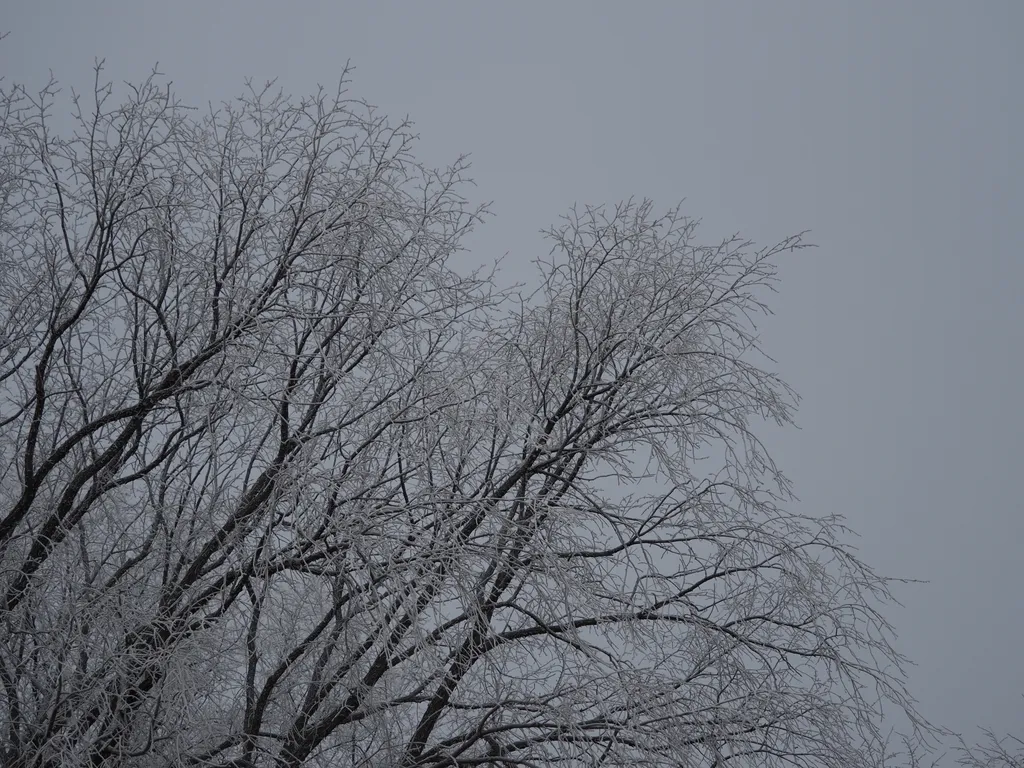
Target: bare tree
(281, 487)
(994, 752)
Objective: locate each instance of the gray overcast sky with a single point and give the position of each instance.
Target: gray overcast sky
(892, 130)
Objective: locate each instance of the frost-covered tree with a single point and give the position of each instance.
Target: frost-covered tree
(279, 486)
(993, 752)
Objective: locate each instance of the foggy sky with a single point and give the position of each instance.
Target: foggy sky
(891, 130)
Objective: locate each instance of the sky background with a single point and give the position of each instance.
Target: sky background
(891, 130)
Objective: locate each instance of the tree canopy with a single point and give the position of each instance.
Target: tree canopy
(281, 486)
